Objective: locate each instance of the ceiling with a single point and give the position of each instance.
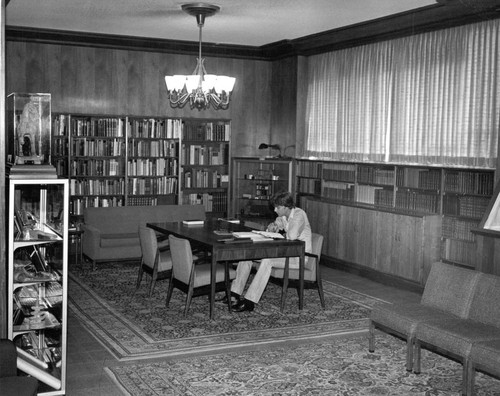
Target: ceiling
(239, 22)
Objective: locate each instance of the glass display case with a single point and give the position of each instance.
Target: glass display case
(37, 278)
(28, 128)
(254, 182)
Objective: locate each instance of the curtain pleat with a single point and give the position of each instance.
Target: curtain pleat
(425, 99)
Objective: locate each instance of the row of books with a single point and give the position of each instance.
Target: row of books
(160, 186)
(464, 182)
(371, 175)
(365, 194)
(459, 228)
(97, 167)
(142, 201)
(469, 206)
(154, 128)
(97, 148)
(153, 167)
(217, 132)
(203, 178)
(193, 154)
(339, 191)
(68, 125)
(309, 169)
(417, 202)
(77, 205)
(97, 187)
(339, 172)
(153, 148)
(419, 178)
(213, 202)
(309, 186)
(59, 146)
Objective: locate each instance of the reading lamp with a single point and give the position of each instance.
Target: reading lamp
(264, 146)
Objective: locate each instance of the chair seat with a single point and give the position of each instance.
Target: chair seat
(165, 262)
(202, 274)
(487, 355)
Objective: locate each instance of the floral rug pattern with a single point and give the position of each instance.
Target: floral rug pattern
(328, 368)
(134, 326)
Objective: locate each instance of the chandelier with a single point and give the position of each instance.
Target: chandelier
(200, 90)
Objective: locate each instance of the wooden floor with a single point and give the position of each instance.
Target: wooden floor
(87, 357)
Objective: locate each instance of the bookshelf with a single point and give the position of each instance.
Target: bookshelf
(254, 181)
(205, 148)
(466, 196)
(459, 196)
(152, 172)
(117, 160)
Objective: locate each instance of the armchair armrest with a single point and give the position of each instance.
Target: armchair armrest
(8, 358)
(91, 239)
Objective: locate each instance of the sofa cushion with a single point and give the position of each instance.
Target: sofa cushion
(485, 307)
(114, 240)
(450, 289)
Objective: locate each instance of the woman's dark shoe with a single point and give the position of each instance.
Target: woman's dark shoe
(243, 305)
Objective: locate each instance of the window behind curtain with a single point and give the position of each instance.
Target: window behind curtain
(428, 99)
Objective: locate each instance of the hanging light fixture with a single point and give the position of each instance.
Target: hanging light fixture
(200, 90)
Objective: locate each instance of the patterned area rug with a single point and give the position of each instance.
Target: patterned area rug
(134, 326)
(329, 368)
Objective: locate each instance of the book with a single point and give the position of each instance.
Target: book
(230, 220)
(193, 222)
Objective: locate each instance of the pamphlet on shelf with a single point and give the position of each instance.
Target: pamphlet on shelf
(193, 222)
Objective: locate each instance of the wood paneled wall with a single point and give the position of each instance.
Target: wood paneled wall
(126, 82)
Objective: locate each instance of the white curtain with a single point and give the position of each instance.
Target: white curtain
(429, 99)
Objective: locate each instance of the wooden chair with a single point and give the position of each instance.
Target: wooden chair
(155, 262)
(10, 382)
(312, 274)
(193, 278)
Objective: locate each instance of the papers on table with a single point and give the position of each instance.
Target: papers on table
(258, 236)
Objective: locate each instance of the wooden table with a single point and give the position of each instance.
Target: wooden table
(204, 237)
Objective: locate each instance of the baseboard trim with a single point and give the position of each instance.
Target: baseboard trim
(385, 279)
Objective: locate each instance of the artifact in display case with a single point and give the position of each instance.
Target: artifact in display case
(37, 278)
(28, 128)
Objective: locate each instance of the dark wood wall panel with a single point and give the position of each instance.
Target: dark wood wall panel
(127, 82)
(284, 104)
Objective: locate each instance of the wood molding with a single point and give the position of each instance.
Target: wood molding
(448, 14)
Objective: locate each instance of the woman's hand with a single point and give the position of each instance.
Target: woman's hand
(273, 227)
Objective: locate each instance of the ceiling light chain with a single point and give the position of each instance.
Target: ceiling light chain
(200, 90)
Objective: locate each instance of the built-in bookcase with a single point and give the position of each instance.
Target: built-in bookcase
(95, 148)
(466, 196)
(460, 196)
(205, 164)
(127, 160)
(152, 160)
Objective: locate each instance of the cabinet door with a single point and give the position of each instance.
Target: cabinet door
(406, 252)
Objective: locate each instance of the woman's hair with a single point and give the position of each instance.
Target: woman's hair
(283, 198)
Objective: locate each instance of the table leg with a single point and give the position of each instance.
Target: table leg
(212, 283)
(301, 279)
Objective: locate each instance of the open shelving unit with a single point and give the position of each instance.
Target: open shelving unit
(37, 278)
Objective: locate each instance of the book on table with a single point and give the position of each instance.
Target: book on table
(193, 222)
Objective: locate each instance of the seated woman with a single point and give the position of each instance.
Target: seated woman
(294, 222)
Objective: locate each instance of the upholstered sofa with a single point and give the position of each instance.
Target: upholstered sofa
(112, 234)
(458, 310)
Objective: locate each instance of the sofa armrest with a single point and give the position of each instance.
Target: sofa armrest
(91, 239)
